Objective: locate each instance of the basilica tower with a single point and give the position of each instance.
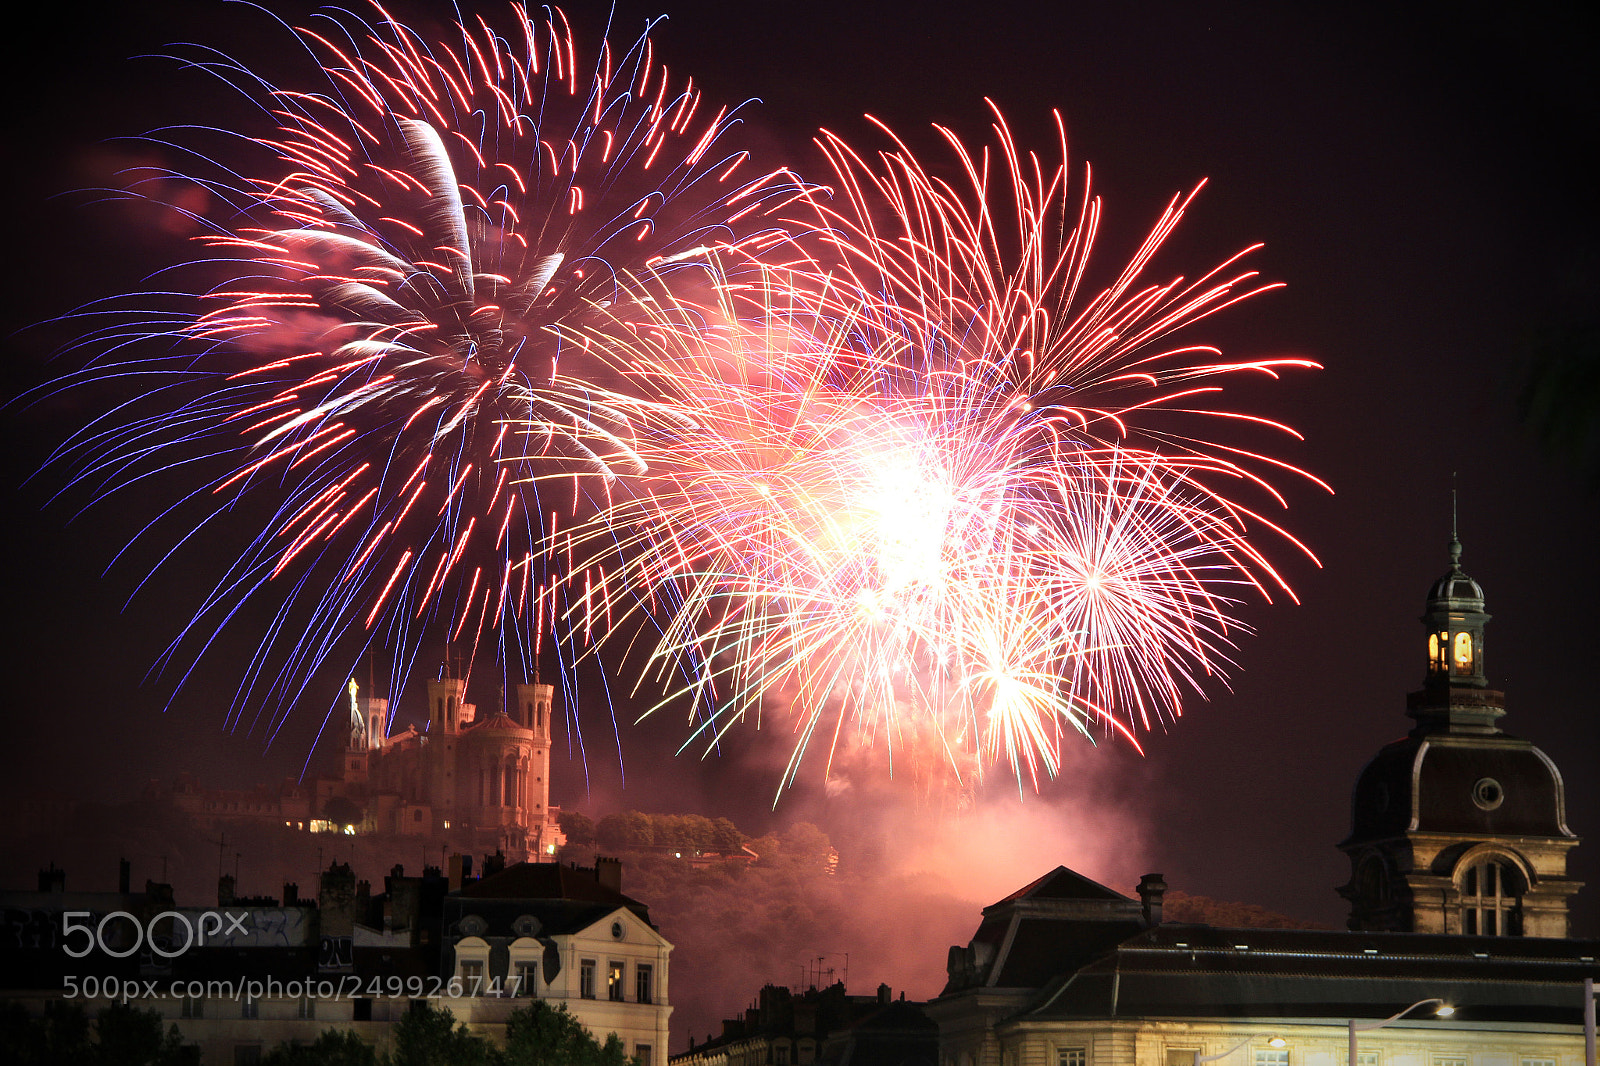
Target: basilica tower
(1458, 827)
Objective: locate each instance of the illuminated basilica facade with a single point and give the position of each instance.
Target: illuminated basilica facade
(480, 783)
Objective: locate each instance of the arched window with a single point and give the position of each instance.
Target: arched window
(472, 965)
(1491, 898)
(1463, 653)
(1372, 881)
(511, 781)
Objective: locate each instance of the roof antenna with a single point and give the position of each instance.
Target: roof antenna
(1455, 541)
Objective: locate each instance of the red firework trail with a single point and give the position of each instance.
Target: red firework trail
(384, 366)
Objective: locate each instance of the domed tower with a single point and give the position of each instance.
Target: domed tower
(1458, 827)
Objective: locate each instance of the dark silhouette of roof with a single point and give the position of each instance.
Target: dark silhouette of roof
(1062, 883)
(564, 897)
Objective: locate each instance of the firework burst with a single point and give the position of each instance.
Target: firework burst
(931, 485)
(433, 219)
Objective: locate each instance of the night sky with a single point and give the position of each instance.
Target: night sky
(1421, 180)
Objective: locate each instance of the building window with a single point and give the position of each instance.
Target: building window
(249, 1008)
(1491, 899)
(246, 1054)
(1449, 1060)
(780, 1055)
(307, 1008)
(1538, 1062)
(644, 977)
(1369, 1058)
(527, 978)
(644, 1053)
(586, 978)
(193, 1007)
(472, 978)
(1176, 1056)
(614, 980)
(1077, 1056)
(1272, 1056)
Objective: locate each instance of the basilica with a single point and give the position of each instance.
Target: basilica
(480, 783)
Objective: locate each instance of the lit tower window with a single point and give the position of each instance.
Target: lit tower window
(1455, 620)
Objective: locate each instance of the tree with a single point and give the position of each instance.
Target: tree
(698, 831)
(578, 827)
(766, 847)
(542, 1035)
(667, 829)
(725, 837)
(431, 1036)
(61, 1035)
(625, 829)
(335, 1047)
(129, 1036)
(342, 811)
(804, 843)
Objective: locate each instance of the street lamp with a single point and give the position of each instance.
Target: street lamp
(1276, 1041)
(1444, 1010)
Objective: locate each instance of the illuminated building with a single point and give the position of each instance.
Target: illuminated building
(1458, 899)
(267, 971)
(480, 783)
(566, 935)
(1458, 827)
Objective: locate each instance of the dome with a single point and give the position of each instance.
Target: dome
(499, 722)
(1478, 786)
(1456, 585)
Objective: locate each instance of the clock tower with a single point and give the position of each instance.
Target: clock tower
(1458, 827)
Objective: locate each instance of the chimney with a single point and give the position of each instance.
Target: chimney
(225, 890)
(608, 872)
(884, 995)
(52, 880)
(124, 876)
(1151, 888)
(291, 894)
(460, 871)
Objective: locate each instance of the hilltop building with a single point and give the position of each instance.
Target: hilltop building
(481, 784)
(474, 784)
(287, 804)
